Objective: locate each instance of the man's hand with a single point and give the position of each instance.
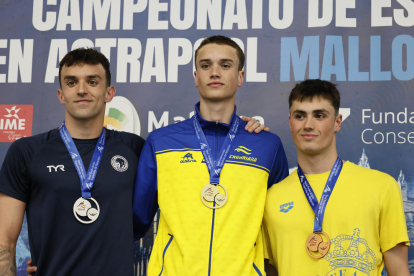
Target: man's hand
(270, 269)
(30, 269)
(253, 125)
(396, 260)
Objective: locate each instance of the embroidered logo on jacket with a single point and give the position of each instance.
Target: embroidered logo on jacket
(61, 167)
(245, 151)
(188, 158)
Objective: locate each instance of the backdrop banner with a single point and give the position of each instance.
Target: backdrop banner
(366, 47)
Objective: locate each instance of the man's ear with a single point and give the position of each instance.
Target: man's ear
(195, 78)
(110, 94)
(338, 123)
(241, 77)
(60, 96)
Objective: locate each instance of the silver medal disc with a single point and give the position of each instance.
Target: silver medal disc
(211, 193)
(84, 212)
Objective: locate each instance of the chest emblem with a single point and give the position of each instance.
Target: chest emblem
(119, 163)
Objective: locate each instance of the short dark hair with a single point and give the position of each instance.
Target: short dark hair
(222, 40)
(308, 89)
(85, 56)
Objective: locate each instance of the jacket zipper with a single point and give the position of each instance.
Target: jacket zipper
(214, 210)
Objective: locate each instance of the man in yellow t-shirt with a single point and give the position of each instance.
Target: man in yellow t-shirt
(360, 223)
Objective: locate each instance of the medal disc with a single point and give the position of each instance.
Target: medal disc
(84, 212)
(315, 244)
(211, 193)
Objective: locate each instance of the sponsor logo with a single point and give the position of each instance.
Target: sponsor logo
(61, 167)
(15, 122)
(284, 208)
(243, 150)
(327, 189)
(217, 171)
(232, 137)
(100, 149)
(74, 155)
(203, 146)
(121, 115)
(119, 163)
(188, 158)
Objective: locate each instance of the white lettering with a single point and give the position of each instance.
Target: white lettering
(154, 53)
(175, 17)
(65, 19)
(313, 13)
(152, 121)
(57, 47)
(37, 20)
(377, 20)
(124, 44)
(287, 14)
(20, 60)
(251, 62)
(174, 59)
(129, 9)
(212, 11)
(238, 17)
(341, 19)
(154, 9)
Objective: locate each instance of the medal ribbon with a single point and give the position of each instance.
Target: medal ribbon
(319, 208)
(215, 169)
(86, 178)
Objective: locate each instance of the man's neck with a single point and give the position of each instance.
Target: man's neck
(317, 163)
(84, 129)
(217, 111)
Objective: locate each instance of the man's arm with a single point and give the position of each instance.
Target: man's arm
(396, 260)
(145, 201)
(11, 219)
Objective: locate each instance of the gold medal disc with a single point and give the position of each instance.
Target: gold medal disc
(315, 243)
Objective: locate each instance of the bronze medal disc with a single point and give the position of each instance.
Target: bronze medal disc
(315, 243)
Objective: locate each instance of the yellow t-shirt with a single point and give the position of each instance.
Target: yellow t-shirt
(363, 218)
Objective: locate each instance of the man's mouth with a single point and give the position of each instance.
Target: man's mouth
(215, 84)
(308, 136)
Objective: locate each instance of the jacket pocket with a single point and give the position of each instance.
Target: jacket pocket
(165, 251)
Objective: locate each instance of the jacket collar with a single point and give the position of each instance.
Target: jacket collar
(204, 123)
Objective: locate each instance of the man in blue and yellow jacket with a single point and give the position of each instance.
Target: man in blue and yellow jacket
(209, 177)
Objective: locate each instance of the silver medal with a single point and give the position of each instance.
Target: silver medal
(83, 210)
(211, 193)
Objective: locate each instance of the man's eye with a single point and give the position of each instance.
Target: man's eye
(205, 66)
(226, 66)
(93, 82)
(71, 83)
(299, 117)
(320, 116)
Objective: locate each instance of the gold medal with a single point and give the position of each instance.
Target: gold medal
(211, 193)
(315, 244)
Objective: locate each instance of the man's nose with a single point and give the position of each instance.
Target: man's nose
(309, 124)
(81, 87)
(215, 71)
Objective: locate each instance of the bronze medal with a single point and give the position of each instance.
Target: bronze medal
(315, 244)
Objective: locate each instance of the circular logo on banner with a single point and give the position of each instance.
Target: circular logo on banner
(119, 163)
